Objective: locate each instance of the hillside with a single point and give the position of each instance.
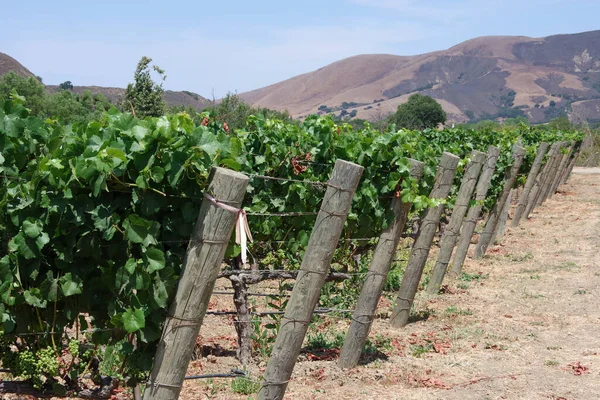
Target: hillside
(487, 77)
(173, 98)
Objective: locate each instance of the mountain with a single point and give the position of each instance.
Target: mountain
(114, 95)
(486, 77)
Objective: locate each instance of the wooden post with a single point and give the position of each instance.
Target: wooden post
(501, 228)
(533, 173)
(199, 272)
(466, 233)
(552, 174)
(535, 194)
(572, 163)
(420, 250)
(376, 278)
(313, 271)
(492, 221)
(561, 168)
(452, 231)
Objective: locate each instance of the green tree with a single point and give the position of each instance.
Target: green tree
(562, 124)
(420, 112)
(30, 88)
(66, 85)
(144, 97)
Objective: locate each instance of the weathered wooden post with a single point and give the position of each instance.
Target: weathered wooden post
(501, 227)
(375, 280)
(573, 162)
(466, 233)
(561, 169)
(490, 225)
(535, 194)
(452, 231)
(199, 272)
(533, 173)
(420, 250)
(551, 174)
(313, 271)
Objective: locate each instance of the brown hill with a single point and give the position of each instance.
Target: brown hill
(173, 98)
(487, 77)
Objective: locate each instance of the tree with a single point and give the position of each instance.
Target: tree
(144, 97)
(420, 112)
(30, 88)
(66, 85)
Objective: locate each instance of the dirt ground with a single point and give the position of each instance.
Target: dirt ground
(522, 324)
(524, 327)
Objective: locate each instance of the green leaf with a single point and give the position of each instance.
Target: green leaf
(160, 292)
(31, 228)
(155, 259)
(140, 230)
(70, 285)
(133, 320)
(24, 246)
(130, 265)
(33, 297)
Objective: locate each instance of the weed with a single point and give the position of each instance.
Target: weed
(421, 315)
(324, 340)
(551, 363)
(453, 310)
(520, 257)
(244, 386)
(569, 265)
(418, 350)
(553, 348)
(536, 276)
(533, 296)
(580, 291)
(466, 277)
(379, 344)
(463, 286)
(538, 323)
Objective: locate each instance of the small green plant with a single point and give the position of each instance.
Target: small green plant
(462, 286)
(536, 277)
(245, 386)
(466, 277)
(379, 344)
(551, 363)
(418, 350)
(581, 291)
(569, 265)
(520, 257)
(453, 310)
(554, 348)
(324, 340)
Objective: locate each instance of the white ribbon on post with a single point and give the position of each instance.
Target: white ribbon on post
(242, 229)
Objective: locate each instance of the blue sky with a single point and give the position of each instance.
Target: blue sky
(222, 46)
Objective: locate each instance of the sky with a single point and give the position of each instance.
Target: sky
(216, 47)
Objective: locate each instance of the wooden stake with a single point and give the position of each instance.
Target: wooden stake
(452, 231)
(466, 233)
(420, 250)
(313, 271)
(199, 272)
(492, 221)
(376, 278)
(533, 173)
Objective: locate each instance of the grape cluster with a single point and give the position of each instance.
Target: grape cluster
(74, 348)
(47, 363)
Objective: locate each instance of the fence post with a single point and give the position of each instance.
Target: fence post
(561, 169)
(533, 173)
(466, 233)
(313, 271)
(492, 221)
(552, 174)
(452, 231)
(199, 272)
(501, 228)
(420, 250)
(535, 194)
(375, 280)
(572, 163)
